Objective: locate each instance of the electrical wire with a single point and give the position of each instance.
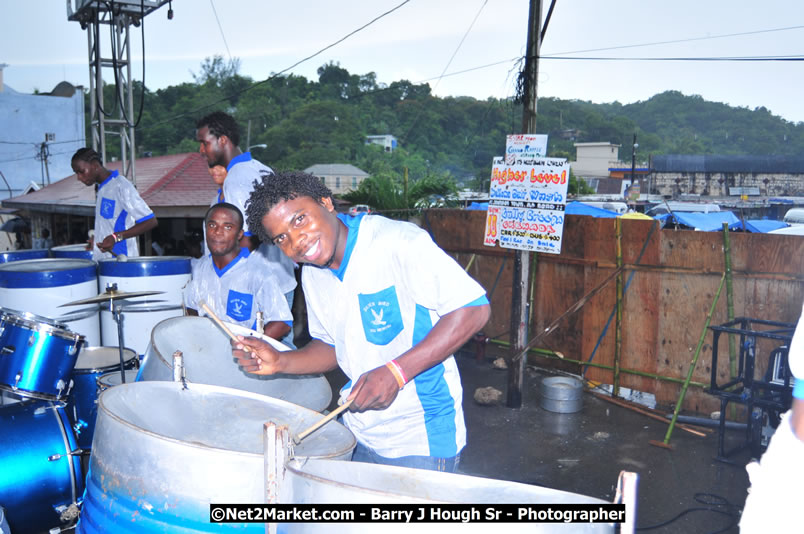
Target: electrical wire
(712, 503)
(278, 74)
(793, 58)
(215, 12)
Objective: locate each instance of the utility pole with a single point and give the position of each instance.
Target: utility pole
(633, 160)
(519, 296)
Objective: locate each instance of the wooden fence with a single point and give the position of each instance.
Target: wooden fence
(664, 307)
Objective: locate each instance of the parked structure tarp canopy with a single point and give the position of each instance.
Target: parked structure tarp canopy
(579, 208)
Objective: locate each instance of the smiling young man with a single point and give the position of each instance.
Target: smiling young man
(386, 305)
(120, 213)
(230, 282)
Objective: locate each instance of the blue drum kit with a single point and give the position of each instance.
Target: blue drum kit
(50, 377)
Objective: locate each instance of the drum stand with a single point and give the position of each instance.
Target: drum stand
(117, 314)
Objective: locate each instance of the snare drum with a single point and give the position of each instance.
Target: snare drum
(39, 477)
(113, 378)
(92, 363)
(37, 355)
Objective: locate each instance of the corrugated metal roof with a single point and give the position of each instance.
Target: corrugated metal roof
(179, 180)
(725, 163)
(335, 169)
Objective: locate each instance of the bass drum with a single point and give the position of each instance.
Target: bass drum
(207, 355)
(39, 477)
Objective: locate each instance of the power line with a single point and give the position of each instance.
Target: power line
(220, 28)
(690, 39)
(735, 58)
(276, 75)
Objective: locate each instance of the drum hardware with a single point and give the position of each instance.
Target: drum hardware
(260, 322)
(76, 452)
(179, 374)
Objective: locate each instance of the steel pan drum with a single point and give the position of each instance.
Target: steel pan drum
(38, 477)
(168, 274)
(79, 250)
(91, 364)
(327, 482)
(208, 360)
(21, 255)
(42, 286)
(37, 355)
(162, 454)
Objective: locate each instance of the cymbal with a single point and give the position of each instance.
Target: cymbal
(112, 294)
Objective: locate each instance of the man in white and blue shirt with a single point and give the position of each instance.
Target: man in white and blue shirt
(120, 213)
(388, 307)
(230, 282)
(218, 136)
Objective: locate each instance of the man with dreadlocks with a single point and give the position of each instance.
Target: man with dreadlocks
(386, 305)
(120, 213)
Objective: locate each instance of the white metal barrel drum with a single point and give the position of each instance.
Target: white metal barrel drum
(78, 250)
(42, 286)
(207, 355)
(163, 453)
(168, 274)
(21, 255)
(326, 482)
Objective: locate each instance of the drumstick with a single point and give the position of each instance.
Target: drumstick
(321, 422)
(223, 326)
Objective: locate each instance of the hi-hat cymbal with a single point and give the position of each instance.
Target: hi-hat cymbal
(112, 294)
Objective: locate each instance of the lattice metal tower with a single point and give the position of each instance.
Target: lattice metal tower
(116, 16)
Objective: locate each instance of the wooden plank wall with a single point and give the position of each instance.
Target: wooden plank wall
(665, 306)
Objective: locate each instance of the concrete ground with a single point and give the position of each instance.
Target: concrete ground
(584, 452)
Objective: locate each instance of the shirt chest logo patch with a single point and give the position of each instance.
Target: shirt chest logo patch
(380, 315)
(238, 305)
(107, 208)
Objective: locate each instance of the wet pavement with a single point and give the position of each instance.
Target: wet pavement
(584, 452)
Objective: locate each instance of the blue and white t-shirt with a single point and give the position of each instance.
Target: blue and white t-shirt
(242, 171)
(237, 292)
(118, 208)
(391, 288)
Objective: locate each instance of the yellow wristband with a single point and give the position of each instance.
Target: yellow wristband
(397, 372)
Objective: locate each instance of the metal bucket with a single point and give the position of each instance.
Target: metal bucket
(162, 454)
(21, 255)
(38, 476)
(327, 482)
(78, 250)
(42, 286)
(562, 394)
(91, 364)
(208, 360)
(168, 274)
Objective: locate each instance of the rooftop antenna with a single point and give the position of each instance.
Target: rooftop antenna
(116, 16)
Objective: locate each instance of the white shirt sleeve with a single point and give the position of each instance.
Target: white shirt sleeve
(134, 204)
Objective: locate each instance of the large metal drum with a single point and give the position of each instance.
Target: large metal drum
(326, 482)
(20, 255)
(71, 251)
(41, 286)
(162, 454)
(168, 274)
(208, 360)
(38, 476)
(92, 363)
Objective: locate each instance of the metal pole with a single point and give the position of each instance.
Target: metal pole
(519, 312)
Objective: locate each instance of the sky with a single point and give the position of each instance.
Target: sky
(473, 43)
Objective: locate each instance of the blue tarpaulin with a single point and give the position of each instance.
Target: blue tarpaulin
(579, 208)
(763, 225)
(482, 206)
(707, 222)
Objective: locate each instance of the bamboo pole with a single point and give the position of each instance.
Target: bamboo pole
(729, 299)
(551, 355)
(618, 323)
(694, 360)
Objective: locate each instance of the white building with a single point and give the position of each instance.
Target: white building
(339, 177)
(40, 133)
(388, 142)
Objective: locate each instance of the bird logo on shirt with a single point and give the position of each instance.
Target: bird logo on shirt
(377, 317)
(238, 307)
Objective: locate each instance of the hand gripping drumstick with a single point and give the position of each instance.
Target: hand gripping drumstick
(220, 323)
(321, 422)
